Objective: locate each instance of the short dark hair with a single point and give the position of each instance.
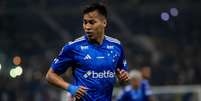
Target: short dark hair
(96, 6)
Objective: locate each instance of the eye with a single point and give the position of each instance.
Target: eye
(92, 22)
(84, 22)
(89, 21)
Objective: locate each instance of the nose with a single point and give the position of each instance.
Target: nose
(87, 27)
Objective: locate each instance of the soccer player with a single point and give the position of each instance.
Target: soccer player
(146, 75)
(135, 91)
(96, 60)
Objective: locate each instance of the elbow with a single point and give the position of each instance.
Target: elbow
(48, 76)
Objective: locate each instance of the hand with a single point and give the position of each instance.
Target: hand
(122, 75)
(77, 91)
(81, 92)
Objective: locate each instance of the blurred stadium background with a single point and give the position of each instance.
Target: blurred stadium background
(162, 34)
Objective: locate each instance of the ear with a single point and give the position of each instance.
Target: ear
(105, 22)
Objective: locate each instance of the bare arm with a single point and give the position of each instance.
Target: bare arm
(56, 80)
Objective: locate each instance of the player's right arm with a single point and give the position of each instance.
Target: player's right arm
(58, 67)
(56, 80)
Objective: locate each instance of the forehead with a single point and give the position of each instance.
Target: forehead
(92, 15)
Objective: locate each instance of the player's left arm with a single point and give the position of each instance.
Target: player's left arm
(122, 67)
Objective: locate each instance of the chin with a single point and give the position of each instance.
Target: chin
(91, 37)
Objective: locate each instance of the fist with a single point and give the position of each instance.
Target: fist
(122, 75)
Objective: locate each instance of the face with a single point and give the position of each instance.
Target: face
(94, 25)
(146, 72)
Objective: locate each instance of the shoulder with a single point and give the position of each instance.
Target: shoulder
(115, 42)
(145, 82)
(146, 86)
(76, 41)
(112, 40)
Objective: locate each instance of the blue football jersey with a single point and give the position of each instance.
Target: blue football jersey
(93, 65)
(147, 89)
(140, 94)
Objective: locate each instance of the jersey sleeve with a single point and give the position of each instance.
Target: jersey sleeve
(122, 63)
(63, 60)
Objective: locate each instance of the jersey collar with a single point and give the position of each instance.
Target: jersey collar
(95, 44)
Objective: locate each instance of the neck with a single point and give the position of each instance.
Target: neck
(98, 40)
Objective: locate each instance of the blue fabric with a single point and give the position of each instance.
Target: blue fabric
(94, 66)
(147, 87)
(140, 94)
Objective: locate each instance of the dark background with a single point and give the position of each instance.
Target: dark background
(36, 30)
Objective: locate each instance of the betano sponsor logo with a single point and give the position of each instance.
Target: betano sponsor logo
(100, 75)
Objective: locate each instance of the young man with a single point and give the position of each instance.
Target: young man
(146, 75)
(135, 91)
(95, 59)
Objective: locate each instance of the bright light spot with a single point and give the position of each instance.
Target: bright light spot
(0, 66)
(174, 11)
(18, 70)
(165, 16)
(17, 60)
(12, 73)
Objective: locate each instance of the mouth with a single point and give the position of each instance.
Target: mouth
(89, 34)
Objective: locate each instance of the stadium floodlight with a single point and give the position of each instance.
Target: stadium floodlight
(174, 11)
(0, 66)
(18, 70)
(12, 73)
(165, 16)
(17, 60)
